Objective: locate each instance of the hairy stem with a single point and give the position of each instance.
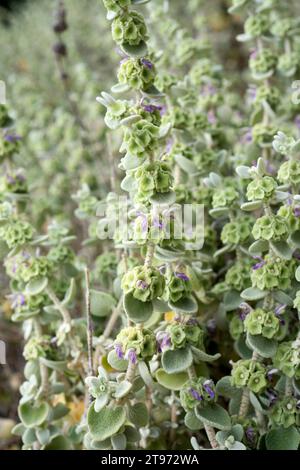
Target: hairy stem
(89, 330)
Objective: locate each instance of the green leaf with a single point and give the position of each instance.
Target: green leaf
(242, 349)
(128, 183)
(297, 274)
(119, 442)
(187, 305)
(263, 346)
(152, 91)
(282, 250)
(135, 51)
(33, 415)
(58, 412)
(139, 2)
(130, 162)
(295, 238)
(145, 373)
(120, 88)
(226, 389)
(214, 415)
(123, 388)
(232, 300)
(132, 435)
(100, 445)
(255, 402)
(258, 247)
(163, 198)
(59, 443)
(186, 165)
(283, 439)
(138, 415)
(29, 437)
(36, 286)
(115, 362)
(101, 303)
(224, 249)
(55, 365)
(43, 436)
(243, 171)
(218, 212)
(70, 294)
(251, 206)
(253, 293)
(283, 298)
(18, 429)
(171, 381)
(177, 361)
(106, 422)
(192, 422)
(203, 356)
(137, 311)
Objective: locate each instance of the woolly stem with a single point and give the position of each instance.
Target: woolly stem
(130, 373)
(245, 402)
(149, 255)
(89, 330)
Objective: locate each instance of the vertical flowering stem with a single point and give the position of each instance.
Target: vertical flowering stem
(245, 403)
(149, 255)
(89, 323)
(210, 432)
(245, 400)
(44, 389)
(130, 373)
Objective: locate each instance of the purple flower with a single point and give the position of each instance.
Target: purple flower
(296, 255)
(147, 63)
(250, 434)
(144, 221)
(297, 211)
(157, 223)
(119, 352)
(279, 310)
(247, 138)
(192, 322)
(151, 108)
(195, 394)
(272, 395)
(182, 276)
(209, 90)
(244, 310)
(131, 356)
(12, 138)
(258, 265)
(253, 54)
(208, 389)
(163, 341)
(141, 284)
(17, 300)
(211, 116)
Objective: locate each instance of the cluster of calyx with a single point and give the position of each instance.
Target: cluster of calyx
(189, 347)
